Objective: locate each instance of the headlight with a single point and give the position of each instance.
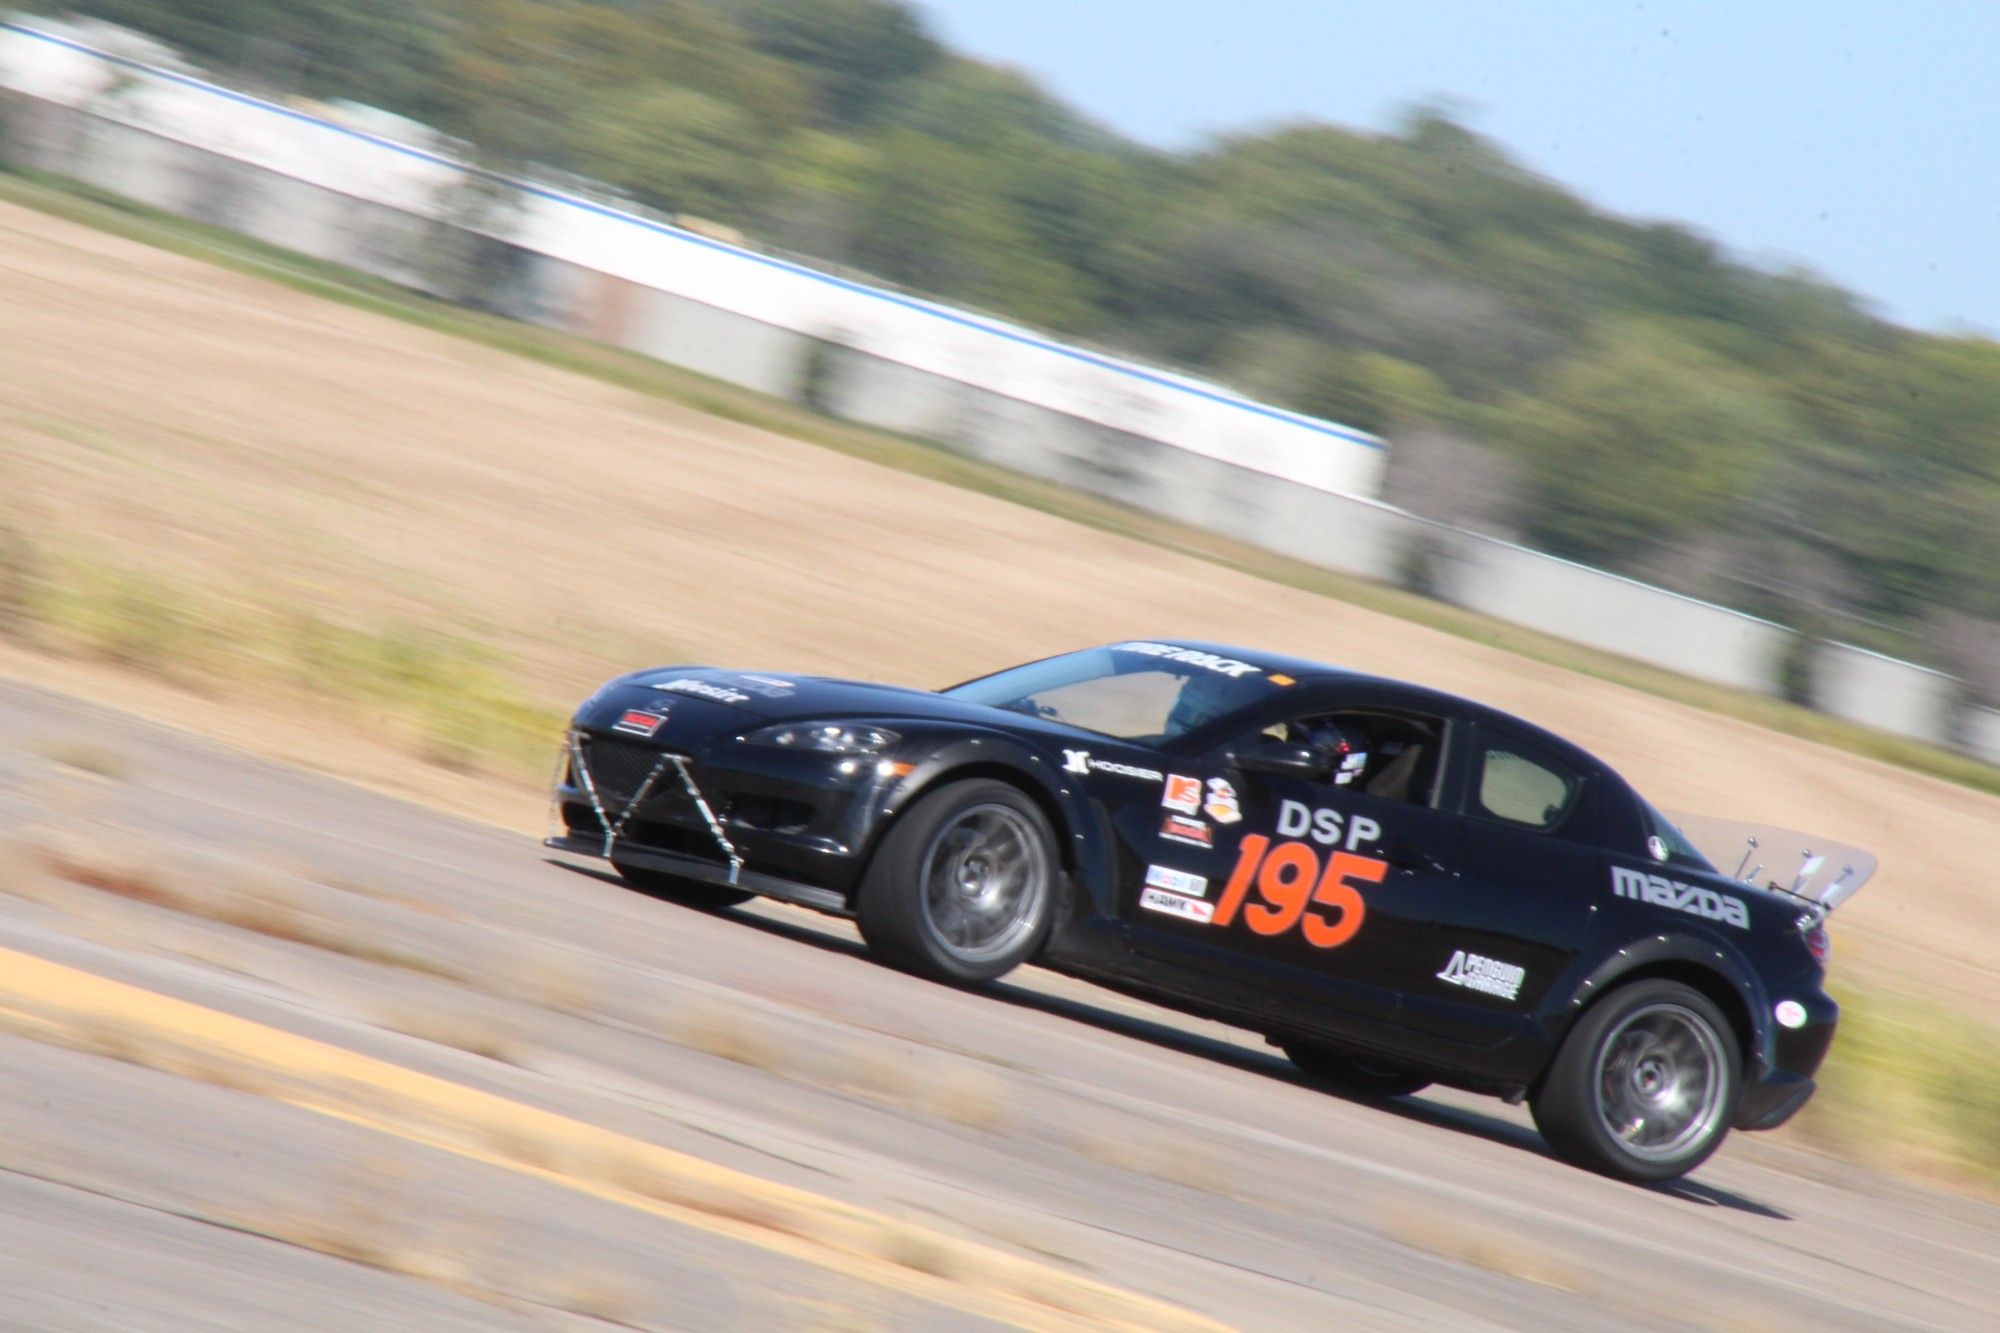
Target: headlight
(825, 738)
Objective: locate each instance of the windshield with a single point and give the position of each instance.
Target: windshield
(1148, 692)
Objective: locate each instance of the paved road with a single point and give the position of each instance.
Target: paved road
(1042, 1117)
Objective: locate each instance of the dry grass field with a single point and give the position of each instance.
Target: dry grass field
(267, 454)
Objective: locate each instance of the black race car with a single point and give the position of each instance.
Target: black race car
(1398, 886)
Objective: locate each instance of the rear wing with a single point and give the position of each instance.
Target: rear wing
(1817, 871)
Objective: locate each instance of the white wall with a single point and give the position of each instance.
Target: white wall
(1980, 734)
(1618, 615)
(420, 179)
(1884, 693)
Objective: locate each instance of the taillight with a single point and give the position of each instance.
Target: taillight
(1819, 942)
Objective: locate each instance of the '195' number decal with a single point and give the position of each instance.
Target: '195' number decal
(1290, 883)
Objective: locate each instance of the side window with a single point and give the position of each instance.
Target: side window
(1390, 756)
(1518, 784)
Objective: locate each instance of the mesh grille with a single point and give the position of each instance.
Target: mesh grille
(619, 767)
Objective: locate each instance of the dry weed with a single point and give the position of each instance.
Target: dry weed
(1175, 1159)
(85, 757)
(726, 1034)
(486, 1033)
(567, 985)
(1450, 1237)
(972, 1098)
(592, 1291)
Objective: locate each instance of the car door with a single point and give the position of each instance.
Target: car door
(1507, 926)
(1306, 890)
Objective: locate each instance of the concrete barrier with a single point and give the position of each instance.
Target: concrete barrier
(1979, 734)
(1885, 693)
(1618, 615)
(720, 299)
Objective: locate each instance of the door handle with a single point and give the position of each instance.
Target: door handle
(1413, 860)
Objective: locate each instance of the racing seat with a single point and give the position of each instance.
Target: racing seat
(1392, 782)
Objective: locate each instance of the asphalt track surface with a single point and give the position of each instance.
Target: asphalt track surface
(1043, 1118)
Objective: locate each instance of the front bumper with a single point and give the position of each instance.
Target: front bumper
(755, 820)
(706, 872)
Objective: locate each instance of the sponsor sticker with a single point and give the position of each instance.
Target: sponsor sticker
(1282, 680)
(1080, 761)
(1182, 794)
(768, 686)
(1656, 847)
(701, 689)
(1177, 881)
(639, 722)
(1226, 666)
(1221, 804)
(1326, 827)
(1188, 909)
(1489, 976)
(1693, 899)
(1179, 828)
(1791, 1014)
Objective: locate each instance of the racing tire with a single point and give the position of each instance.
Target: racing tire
(1351, 1075)
(679, 889)
(1644, 1086)
(963, 887)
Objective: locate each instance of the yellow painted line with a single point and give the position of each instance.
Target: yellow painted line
(48, 1001)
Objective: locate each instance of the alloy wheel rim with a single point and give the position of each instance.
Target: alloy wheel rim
(1660, 1082)
(984, 878)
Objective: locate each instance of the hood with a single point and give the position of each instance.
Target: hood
(715, 698)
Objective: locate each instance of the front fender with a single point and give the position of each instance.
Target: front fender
(1079, 827)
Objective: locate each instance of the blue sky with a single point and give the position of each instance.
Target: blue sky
(1861, 141)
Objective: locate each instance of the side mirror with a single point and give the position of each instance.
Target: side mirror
(1283, 759)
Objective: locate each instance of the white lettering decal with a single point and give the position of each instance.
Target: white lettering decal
(1227, 666)
(1190, 909)
(1361, 829)
(1693, 899)
(1294, 818)
(1177, 881)
(1324, 826)
(722, 694)
(1079, 761)
(1487, 975)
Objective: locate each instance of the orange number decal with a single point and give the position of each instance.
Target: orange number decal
(1336, 892)
(1286, 883)
(1248, 853)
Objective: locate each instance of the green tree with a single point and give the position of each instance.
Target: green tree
(854, 53)
(677, 150)
(1638, 441)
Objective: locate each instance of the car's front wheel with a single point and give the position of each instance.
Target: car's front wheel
(963, 887)
(1644, 1084)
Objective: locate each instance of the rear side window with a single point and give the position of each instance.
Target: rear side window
(1520, 785)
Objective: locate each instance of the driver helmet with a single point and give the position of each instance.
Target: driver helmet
(1345, 747)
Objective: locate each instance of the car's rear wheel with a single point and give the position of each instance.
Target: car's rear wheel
(1644, 1085)
(963, 887)
(676, 888)
(1353, 1075)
